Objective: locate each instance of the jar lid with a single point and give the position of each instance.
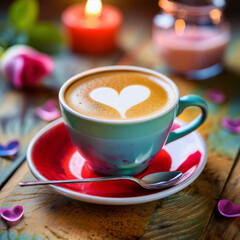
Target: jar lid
(197, 3)
(191, 8)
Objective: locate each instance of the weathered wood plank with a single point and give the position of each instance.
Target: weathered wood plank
(18, 121)
(52, 216)
(186, 214)
(223, 228)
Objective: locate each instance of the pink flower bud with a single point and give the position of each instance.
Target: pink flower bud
(24, 66)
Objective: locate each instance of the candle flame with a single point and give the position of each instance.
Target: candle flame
(215, 15)
(180, 26)
(93, 8)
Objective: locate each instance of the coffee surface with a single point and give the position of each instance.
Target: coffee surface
(119, 95)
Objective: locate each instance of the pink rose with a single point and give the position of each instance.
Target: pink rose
(24, 66)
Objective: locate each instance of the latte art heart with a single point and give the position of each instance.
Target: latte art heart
(128, 97)
(119, 95)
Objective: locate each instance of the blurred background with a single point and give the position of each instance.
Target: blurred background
(52, 9)
(138, 16)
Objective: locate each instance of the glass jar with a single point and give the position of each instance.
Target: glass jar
(191, 36)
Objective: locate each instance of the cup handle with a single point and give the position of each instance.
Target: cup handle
(184, 102)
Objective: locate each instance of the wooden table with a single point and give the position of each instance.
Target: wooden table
(188, 214)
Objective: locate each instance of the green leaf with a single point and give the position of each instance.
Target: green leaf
(23, 13)
(46, 38)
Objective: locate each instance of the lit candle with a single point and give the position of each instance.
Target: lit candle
(92, 28)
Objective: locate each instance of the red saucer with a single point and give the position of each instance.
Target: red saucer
(52, 156)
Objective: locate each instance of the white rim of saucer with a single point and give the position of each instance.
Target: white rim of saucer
(118, 68)
(112, 200)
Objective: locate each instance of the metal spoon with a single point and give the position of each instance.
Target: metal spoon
(152, 181)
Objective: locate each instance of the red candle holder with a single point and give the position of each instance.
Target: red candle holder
(91, 35)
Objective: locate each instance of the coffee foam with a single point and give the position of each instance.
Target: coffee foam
(120, 95)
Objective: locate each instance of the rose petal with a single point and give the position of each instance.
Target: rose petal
(231, 124)
(12, 215)
(14, 71)
(24, 66)
(216, 96)
(228, 208)
(36, 67)
(48, 111)
(9, 149)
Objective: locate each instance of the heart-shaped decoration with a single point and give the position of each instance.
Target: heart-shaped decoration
(12, 215)
(232, 125)
(48, 111)
(228, 208)
(216, 96)
(9, 149)
(128, 97)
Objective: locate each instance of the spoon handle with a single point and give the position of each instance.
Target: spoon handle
(86, 180)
